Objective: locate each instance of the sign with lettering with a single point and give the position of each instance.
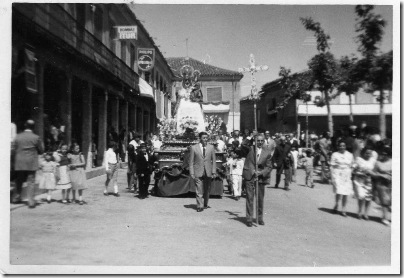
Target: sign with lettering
(126, 32)
(145, 58)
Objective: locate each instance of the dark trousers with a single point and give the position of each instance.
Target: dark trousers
(202, 190)
(250, 190)
(288, 175)
(29, 177)
(144, 185)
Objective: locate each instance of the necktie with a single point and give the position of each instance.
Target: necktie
(203, 151)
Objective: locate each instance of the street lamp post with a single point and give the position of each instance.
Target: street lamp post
(254, 96)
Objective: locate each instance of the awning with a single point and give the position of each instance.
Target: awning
(216, 108)
(343, 109)
(145, 89)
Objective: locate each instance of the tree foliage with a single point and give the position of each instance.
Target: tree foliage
(321, 37)
(349, 74)
(370, 28)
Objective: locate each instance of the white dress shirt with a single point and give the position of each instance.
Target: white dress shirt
(110, 157)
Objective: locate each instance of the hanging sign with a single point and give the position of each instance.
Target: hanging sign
(126, 32)
(145, 58)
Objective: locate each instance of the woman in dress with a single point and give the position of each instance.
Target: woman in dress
(49, 175)
(341, 173)
(362, 180)
(382, 182)
(77, 173)
(64, 183)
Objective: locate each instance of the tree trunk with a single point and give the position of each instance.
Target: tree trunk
(329, 114)
(382, 116)
(351, 120)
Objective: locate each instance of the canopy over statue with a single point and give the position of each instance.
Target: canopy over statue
(189, 113)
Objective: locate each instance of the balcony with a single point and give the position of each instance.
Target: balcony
(53, 19)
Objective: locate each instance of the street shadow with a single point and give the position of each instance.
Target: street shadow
(350, 214)
(273, 187)
(241, 219)
(192, 206)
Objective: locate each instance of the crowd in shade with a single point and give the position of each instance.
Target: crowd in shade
(354, 161)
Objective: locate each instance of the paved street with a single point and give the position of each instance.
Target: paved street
(300, 230)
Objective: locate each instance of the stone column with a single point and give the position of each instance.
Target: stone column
(39, 102)
(87, 125)
(102, 127)
(124, 117)
(115, 113)
(68, 115)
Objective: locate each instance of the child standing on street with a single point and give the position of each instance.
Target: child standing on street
(111, 166)
(49, 175)
(64, 182)
(295, 154)
(131, 175)
(77, 173)
(144, 168)
(307, 162)
(236, 164)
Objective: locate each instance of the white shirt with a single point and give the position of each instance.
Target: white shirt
(236, 166)
(220, 145)
(157, 144)
(200, 144)
(146, 156)
(259, 152)
(135, 144)
(110, 157)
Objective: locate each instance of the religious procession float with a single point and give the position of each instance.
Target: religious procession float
(181, 132)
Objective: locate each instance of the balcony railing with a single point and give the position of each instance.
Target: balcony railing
(56, 20)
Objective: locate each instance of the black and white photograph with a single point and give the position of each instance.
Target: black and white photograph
(157, 137)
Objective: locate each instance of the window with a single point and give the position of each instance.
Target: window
(132, 56)
(81, 14)
(123, 51)
(214, 94)
(112, 36)
(98, 23)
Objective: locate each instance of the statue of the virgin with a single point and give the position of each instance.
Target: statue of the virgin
(189, 111)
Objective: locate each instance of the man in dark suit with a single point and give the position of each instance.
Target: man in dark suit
(27, 146)
(282, 162)
(250, 175)
(202, 168)
(144, 168)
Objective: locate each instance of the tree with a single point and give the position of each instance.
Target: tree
(296, 86)
(349, 80)
(323, 67)
(375, 69)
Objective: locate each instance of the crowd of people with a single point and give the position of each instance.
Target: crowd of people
(353, 162)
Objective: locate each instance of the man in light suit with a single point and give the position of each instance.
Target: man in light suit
(202, 167)
(250, 175)
(27, 146)
(269, 143)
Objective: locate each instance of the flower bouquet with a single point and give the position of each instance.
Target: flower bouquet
(213, 124)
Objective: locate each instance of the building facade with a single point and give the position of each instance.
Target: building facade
(365, 108)
(220, 88)
(70, 71)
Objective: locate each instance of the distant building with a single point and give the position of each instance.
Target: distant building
(220, 88)
(70, 71)
(366, 108)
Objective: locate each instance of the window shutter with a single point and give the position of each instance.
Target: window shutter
(214, 94)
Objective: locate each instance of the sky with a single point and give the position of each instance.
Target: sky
(224, 35)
